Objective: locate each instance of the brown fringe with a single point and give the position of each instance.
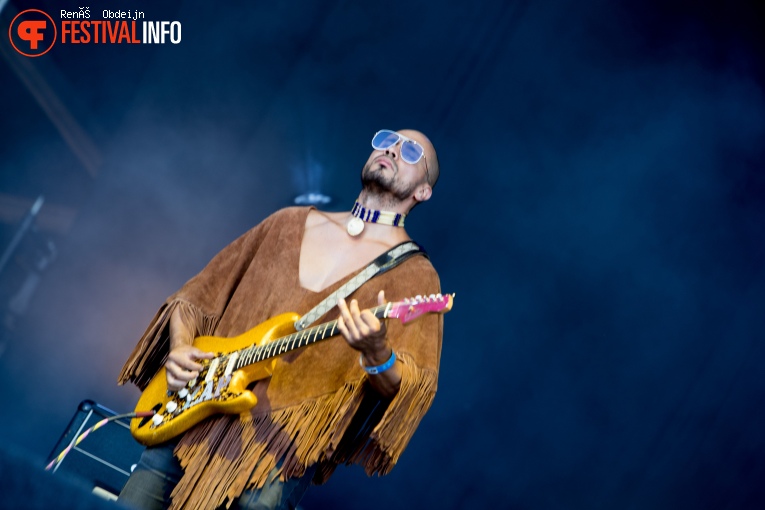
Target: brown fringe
(392, 435)
(224, 456)
(152, 349)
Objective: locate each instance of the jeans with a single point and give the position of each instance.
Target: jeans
(158, 472)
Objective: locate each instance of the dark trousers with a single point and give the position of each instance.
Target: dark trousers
(158, 472)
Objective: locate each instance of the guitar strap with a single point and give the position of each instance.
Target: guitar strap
(384, 262)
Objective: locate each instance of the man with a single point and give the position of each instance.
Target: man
(356, 398)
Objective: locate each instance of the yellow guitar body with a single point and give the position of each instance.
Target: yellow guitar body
(235, 399)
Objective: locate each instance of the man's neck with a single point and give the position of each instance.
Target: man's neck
(382, 203)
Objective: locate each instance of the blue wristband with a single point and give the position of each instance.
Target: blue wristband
(379, 369)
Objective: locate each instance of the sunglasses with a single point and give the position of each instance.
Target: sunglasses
(411, 151)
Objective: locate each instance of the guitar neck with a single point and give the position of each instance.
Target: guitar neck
(257, 353)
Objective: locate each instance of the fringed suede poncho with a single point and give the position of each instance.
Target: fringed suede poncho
(305, 411)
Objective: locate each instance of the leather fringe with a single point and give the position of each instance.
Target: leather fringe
(152, 349)
(224, 456)
(394, 431)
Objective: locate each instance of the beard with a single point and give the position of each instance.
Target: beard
(375, 182)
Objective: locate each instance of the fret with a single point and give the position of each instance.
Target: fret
(257, 353)
(405, 310)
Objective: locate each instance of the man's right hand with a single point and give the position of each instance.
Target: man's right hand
(182, 366)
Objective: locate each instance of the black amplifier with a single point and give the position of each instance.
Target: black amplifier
(104, 459)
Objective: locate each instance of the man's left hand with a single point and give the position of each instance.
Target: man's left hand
(363, 331)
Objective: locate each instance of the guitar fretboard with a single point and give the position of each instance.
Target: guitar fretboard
(258, 353)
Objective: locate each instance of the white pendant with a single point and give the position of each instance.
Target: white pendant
(354, 226)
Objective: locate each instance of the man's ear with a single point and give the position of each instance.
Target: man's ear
(423, 192)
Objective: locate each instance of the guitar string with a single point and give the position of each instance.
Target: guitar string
(254, 353)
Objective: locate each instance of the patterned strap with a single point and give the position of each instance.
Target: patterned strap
(384, 262)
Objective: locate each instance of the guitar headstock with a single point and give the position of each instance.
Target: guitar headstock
(411, 308)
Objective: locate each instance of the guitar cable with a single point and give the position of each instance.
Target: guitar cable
(81, 437)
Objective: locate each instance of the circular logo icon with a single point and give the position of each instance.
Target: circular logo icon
(32, 33)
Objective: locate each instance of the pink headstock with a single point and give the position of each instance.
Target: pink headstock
(411, 308)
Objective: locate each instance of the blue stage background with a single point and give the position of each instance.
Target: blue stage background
(599, 215)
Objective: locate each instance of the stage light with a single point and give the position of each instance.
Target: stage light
(314, 198)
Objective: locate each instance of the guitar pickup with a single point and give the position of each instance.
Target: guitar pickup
(212, 370)
(231, 364)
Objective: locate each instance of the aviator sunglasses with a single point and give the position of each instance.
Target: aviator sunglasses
(411, 151)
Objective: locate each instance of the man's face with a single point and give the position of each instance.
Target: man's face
(385, 171)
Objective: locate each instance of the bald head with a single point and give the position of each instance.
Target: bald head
(431, 158)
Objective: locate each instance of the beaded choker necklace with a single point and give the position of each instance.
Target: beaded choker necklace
(361, 214)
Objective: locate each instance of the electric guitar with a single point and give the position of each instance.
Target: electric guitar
(221, 386)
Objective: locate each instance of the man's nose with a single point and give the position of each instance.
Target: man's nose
(392, 151)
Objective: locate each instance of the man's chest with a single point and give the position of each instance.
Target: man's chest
(328, 255)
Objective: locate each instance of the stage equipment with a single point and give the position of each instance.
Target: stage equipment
(105, 459)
